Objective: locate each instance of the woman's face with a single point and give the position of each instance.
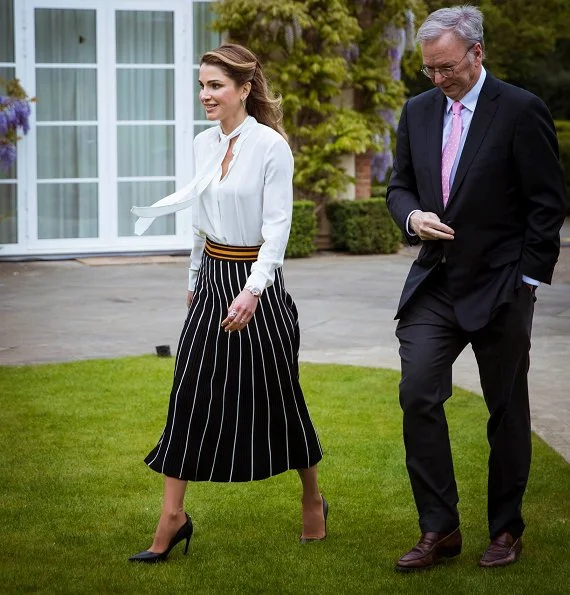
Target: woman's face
(219, 94)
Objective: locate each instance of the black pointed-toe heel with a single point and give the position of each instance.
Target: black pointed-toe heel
(184, 533)
(304, 540)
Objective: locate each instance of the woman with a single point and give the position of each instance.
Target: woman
(236, 412)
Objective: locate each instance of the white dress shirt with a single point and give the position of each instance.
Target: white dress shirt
(469, 102)
(252, 205)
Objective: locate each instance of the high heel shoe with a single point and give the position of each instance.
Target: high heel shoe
(184, 533)
(304, 540)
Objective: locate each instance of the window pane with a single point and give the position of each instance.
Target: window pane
(67, 211)
(6, 74)
(145, 150)
(11, 174)
(204, 38)
(6, 31)
(8, 214)
(67, 152)
(145, 94)
(65, 36)
(145, 37)
(143, 194)
(199, 111)
(201, 127)
(66, 94)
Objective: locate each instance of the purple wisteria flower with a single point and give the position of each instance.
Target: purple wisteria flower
(401, 39)
(14, 116)
(22, 114)
(7, 154)
(4, 123)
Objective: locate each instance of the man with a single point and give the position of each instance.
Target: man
(476, 179)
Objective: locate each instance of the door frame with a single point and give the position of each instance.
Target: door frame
(108, 240)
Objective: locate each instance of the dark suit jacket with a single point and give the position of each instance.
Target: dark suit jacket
(507, 203)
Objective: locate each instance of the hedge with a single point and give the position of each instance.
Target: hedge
(563, 130)
(363, 226)
(303, 230)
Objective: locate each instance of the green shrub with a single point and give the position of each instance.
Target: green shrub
(378, 190)
(363, 226)
(303, 230)
(563, 130)
(562, 126)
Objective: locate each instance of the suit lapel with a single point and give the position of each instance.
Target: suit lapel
(434, 136)
(482, 118)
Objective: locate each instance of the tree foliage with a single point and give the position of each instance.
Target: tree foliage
(317, 53)
(526, 43)
(332, 62)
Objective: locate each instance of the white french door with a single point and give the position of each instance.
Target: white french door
(112, 126)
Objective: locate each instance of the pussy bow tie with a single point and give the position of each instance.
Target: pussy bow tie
(185, 197)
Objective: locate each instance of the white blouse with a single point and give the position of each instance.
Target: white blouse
(252, 205)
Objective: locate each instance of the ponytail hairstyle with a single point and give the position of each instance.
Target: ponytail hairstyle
(242, 66)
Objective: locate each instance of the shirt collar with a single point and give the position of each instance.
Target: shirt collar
(242, 131)
(245, 125)
(470, 99)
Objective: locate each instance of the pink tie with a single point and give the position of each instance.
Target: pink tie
(450, 150)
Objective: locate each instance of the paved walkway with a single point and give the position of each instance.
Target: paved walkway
(97, 308)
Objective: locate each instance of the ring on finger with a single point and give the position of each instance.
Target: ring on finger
(232, 313)
(243, 320)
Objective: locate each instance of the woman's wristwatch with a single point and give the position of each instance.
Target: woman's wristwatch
(255, 291)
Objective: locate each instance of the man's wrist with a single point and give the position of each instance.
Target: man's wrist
(409, 230)
(531, 287)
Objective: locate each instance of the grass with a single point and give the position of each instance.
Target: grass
(76, 498)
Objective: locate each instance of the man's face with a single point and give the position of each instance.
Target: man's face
(450, 52)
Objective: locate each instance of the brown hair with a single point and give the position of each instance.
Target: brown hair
(242, 66)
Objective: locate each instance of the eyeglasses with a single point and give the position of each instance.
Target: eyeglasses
(446, 71)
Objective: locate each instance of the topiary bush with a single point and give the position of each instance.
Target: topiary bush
(303, 230)
(363, 226)
(563, 131)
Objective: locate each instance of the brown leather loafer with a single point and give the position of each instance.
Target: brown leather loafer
(502, 550)
(431, 548)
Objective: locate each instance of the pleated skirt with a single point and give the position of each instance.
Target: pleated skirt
(236, 411)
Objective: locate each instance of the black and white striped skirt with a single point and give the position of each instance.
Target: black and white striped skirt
(237, 411)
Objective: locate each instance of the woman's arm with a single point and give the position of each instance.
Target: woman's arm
(276, 216)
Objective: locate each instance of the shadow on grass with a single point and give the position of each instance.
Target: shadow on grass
(77, 498)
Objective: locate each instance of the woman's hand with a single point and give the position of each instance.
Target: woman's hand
(240, 312)
(189, 298)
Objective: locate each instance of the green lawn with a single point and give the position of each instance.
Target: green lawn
(76, 498)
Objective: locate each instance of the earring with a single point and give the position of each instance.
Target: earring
(243, 101)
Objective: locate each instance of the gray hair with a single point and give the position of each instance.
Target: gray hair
(466, 22)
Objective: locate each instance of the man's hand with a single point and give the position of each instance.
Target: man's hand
(531, 287)
(428, 226)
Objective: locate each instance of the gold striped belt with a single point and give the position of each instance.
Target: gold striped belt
(223, 252)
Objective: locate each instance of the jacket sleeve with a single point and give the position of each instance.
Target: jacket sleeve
(541, 184)
(402, 193)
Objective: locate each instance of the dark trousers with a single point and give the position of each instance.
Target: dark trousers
(430, 341)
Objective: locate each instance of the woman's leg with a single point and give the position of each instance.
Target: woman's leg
(312, 502)
(172, 516)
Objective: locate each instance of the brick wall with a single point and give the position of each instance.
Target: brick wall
(363, 175)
